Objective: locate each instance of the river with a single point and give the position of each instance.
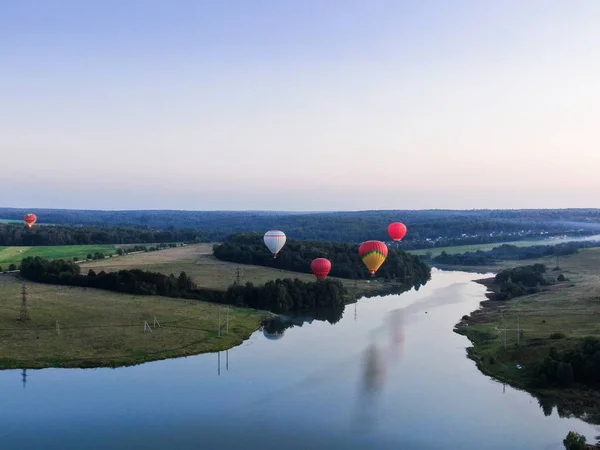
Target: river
(357, 384)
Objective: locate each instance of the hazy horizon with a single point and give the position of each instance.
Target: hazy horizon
(308, 106)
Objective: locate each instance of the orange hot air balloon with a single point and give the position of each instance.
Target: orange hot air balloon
(397, 230)
(30, 219)
(321, 267)
(373, 254)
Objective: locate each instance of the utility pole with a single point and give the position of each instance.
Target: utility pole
(227, 360)
(24, 308)
(238, 275)
(504, 326)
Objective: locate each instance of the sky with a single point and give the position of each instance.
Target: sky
(299, 105)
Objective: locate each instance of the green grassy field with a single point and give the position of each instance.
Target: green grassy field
(483, 247)
(207, 271)
(14, 255)
(101, 328)
(571, 308)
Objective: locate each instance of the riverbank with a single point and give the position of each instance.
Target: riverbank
(75, 327)
(512, 338)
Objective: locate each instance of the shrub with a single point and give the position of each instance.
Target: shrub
(575, 441)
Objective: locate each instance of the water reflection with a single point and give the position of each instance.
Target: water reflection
(398, 378)
(274, 328)
(219, 361)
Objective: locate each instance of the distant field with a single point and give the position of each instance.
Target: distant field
(483, 247)
(97, 327)
(206, 270)
(14, 255)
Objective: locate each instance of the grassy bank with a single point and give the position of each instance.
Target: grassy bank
(99, 328)
(209, 272)
(14, 255)
(559, 316)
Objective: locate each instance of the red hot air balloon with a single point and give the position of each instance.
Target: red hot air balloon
(373, 254)
(397, 230)
(321, 267)
(30, 219)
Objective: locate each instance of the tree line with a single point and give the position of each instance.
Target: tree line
(249, 248)
(523, 280)
(278, 296)
(18, 235)
(508, 252)
(427, 228)
(577, 365)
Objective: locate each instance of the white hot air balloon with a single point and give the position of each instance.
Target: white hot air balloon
(274, 240)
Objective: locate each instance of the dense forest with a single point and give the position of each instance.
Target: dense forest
(248, 248)
(276, 296)
(508, 252)
(523, 280)
(19, 235)
(578, 365)
(426, 228)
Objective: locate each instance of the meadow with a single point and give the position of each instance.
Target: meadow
(77, 327)
(14, 255)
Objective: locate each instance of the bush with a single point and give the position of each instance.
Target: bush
(574, 441)
(12, 267)
(564, 374)
(561, 277)
(558, 335)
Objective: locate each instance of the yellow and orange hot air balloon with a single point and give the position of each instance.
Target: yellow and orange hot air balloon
(30, 219)
(373, 254)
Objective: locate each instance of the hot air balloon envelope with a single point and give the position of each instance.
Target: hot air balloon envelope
(30, 219)
(274, 240)
(321, 267)
(397, 230)
(373, 254)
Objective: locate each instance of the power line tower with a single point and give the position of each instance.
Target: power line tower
(238, 275)
(24, 308)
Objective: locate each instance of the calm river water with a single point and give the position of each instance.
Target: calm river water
(393, 375)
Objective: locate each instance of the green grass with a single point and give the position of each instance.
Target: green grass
(101, 328)
(571, 308)
(483, 247)
(14, 255)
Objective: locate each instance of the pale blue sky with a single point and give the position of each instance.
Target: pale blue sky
(299, 105)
